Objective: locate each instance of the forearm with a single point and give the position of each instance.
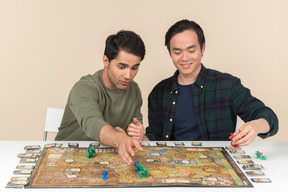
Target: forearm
(110, 136)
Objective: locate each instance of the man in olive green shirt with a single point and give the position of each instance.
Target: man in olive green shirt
(101, 106)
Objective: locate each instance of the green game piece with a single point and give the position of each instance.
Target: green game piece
(90, 152)
(259, 156)
(263, 157)
(257, 152)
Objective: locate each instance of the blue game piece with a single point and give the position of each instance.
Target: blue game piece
(105, 173)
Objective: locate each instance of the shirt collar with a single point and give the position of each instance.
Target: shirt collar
(200, 81)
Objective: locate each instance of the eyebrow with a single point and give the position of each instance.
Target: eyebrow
(126, 65)
(178, 49)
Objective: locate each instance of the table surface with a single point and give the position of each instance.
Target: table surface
(275, 167)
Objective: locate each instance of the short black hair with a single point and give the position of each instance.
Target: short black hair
(181, 26)
(127, 41)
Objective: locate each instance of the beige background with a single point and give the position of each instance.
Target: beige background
(46, 46)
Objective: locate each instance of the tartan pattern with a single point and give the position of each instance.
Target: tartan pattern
(218, 98)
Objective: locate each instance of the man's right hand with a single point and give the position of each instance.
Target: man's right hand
(117, 137)
(125, 147)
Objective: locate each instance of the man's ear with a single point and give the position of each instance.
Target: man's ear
(105, 61)
(203, 49)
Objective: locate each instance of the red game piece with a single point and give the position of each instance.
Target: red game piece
(232, 136)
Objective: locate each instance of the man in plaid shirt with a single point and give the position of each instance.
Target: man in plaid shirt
(197, 103)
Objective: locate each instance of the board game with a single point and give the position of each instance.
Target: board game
(167, 166)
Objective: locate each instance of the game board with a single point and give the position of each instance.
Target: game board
(167, 166)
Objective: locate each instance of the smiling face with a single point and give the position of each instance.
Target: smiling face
(119, 72)
(186, 54)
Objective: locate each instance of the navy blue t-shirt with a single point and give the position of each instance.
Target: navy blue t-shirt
(185, 125)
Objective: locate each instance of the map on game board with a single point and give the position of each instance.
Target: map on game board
(167, 166)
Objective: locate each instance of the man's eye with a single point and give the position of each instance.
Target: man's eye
(135, 68)
(177, 53)
(192, 51)
(121, 67)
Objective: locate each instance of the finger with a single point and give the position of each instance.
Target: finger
(123, 157)
(136, 121)
(133, 129)
(133, 134)
(138, 146)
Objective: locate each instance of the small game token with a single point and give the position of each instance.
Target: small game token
(264, 158)
(70, 175)
(261, 180)
(90, 152)
(74, 169)
(69, 161)
(196, 144)
(73, 145)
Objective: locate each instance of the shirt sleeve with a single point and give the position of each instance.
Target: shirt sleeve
(83, 102)
(250, 108)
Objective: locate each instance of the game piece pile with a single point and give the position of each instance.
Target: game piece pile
(260, 155)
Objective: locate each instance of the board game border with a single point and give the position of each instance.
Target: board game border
(229, 159)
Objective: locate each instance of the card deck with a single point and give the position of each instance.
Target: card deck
(34, 151)
(161, 143)
(242, 157)
(255, 173)
(73, 145)
(58, 145)
(22, 172)
(49, 145)
(145, 144)
(94, 145)
(261, 180)
(32, 147)
(179, 143)
(19, 178)
(232, 148)
(252, 167)
(249, 162)
(237, 151)
(25, 167)
(27, 155)
(27, 160)
(196, 144)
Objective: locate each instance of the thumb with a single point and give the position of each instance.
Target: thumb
(136, 121)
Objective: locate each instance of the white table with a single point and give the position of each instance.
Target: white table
(275, 167)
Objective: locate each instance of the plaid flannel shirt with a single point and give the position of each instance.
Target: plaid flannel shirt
(218, 98)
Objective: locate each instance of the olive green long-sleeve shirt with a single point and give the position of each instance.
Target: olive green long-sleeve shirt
(91, 105)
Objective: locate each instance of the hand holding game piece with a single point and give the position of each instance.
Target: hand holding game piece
(136, 130)
(232, 136)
